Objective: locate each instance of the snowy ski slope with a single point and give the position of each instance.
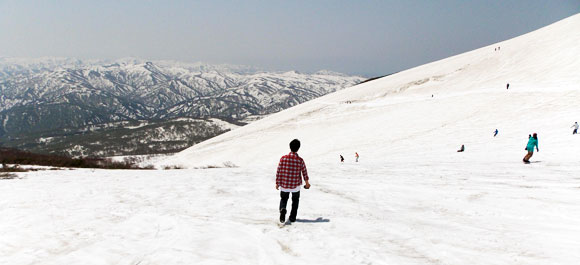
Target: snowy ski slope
(412, 199)
(395, 118)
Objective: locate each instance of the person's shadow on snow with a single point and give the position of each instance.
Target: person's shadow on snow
(317, 220)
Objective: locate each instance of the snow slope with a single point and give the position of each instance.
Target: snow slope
(410, 200)
(405, 213)
(395, 118)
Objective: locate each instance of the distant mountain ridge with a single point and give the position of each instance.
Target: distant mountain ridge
(55, 97)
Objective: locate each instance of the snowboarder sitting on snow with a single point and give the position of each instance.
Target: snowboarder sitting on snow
(495, 133)
(533, 141)
(575, 126)
(288, 180)
(462, 148)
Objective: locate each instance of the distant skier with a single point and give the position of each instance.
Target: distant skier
(462, 148)
(356, 156)
(575, 126)
(288, 180)
(532, 142)
(495, 133)
(507, 86)
(341, 159)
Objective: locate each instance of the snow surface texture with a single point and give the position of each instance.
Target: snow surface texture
(412, 199)
(365, 213)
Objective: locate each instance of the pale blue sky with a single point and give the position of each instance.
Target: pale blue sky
(358, 37)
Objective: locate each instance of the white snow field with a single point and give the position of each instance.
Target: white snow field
(412, 199)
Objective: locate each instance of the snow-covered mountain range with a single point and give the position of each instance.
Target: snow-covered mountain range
(49, 100)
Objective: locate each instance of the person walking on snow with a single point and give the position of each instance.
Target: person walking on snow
(341, 159)
(495, 133)
(533, 141)
(575, 126)
(289, 180)
(356, 156)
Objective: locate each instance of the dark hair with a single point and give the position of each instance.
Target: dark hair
(535, 135)
(294, 145)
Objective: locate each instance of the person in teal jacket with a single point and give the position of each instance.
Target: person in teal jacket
(532, 142)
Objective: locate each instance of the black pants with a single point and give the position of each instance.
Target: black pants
(295, 200)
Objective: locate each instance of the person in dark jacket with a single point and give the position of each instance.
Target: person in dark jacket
(532, 142)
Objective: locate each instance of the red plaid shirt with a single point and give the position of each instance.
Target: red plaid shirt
(289, 169)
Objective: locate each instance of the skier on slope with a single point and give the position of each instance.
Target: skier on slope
(356, 156)
(341, 158)
(462, 148)
(533, 141)
(288, 180)
(495, 133)
(575, 126)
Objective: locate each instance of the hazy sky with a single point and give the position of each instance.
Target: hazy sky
(358, 36)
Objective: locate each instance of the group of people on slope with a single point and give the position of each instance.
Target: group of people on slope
(292, 169)
(533, 142)
(356, 156)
